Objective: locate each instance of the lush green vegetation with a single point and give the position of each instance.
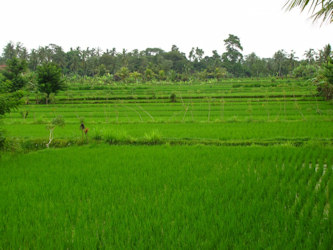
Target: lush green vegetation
(248, 111)
(164, 197)
(93, 68)
(158, 149)
(155, 64)
(235, 163)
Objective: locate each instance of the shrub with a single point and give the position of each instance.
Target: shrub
(325, 81)
(173, 97)
(305, 71)
(2, 139)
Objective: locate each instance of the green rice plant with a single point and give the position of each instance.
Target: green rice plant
(97, 135)
(116, 136)
(285, 100)
(39, 121)
(233, 119)
(154, 137)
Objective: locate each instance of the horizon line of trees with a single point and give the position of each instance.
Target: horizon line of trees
(174, 65)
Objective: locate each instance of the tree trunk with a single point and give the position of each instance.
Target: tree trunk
(50, 138)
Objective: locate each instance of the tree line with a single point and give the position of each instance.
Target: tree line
(173, 65)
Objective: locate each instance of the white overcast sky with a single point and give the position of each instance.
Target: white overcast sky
(263, 26)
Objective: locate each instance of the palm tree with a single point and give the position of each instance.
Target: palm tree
(320, 9)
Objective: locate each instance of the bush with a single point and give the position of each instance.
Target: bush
(58, 121)
(173, 97)
(2, 139)
(325, 81)
(49, 79)
(305, 71)
(325, 90)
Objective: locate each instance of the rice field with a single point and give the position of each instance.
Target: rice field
(277, 119)
(242, 164)
(168, 197)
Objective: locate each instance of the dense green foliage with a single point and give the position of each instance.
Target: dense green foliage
(235, 163)
(166, 151)
(305, 71)
(11, 81)
(174, 65)
(49, 79)
(233, 57)
(8, 102)
(325, 81)
(14, 78)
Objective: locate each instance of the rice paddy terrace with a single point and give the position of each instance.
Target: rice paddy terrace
(222, 112)
(236, 164)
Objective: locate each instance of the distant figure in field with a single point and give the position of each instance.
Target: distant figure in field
(84, 129)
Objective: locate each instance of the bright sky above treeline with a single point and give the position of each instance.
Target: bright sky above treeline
(263, 26)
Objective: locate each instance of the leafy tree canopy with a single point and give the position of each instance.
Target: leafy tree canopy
(49, 79)
(233, 56)
(14, 74)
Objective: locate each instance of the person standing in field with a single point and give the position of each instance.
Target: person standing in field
(83, 129)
